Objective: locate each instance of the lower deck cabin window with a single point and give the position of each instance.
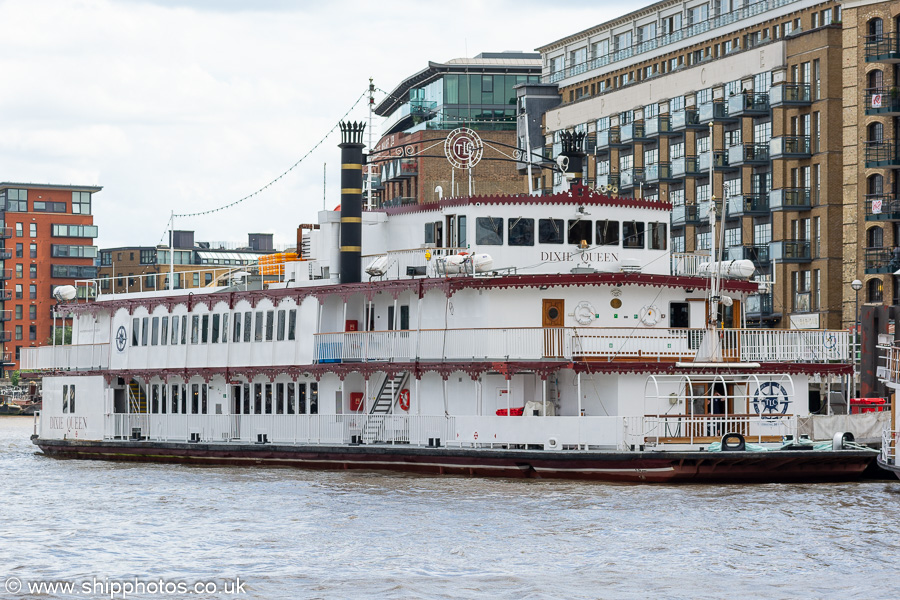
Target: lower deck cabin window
(632, 234)
(608, 233)
(658, 236)
(580, 231)
(521, 232)
(550, 231)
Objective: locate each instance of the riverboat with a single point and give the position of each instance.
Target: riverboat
(554, 336)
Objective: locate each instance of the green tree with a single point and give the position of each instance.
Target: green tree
(63, 336)
(14, 378)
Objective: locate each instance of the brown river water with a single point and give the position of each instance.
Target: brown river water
(103, 526)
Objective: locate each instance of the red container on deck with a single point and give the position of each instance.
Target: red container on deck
(515, 412)
(864, 405)
(356, 400)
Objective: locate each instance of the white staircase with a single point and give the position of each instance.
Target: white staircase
(373, 428)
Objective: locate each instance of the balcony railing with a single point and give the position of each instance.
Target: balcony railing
(689, 166)
(632, 177)
(749, 154)
(790, 251)
(790, 199)
(759, 305)
(790, 94)
(609, 138)
(790, 146)
(884, 47)
(748, 204)
(6, 274)
(748, 104)
(688, 263)
(658, 172)
(634, 132)
(661, 125)
(717, 110)
(758, 254)
(883, 101)
(882, 153)
(880, 207)
(582, 342)
(882, 260)
(5, 232)
(687, 118)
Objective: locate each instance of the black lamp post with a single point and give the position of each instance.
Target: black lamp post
(856, 284)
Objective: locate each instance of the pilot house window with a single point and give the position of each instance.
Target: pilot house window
(550, 231)
(521, 232)
(608, 233)
(489, 231)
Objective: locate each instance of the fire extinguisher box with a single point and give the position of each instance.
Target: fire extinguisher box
(356, 401)
(351, 325)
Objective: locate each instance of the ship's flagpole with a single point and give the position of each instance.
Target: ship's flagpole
(369, 167)
(172, 251)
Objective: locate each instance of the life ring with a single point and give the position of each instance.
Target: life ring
(650, 316)
(584, 313)
(404, 399)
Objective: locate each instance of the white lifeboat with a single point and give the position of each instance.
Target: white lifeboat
(735, 269)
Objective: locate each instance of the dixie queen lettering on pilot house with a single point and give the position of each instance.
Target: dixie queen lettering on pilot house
(580, 256)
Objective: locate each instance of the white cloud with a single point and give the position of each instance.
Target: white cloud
(191, 105)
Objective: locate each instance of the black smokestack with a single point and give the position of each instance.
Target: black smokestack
(571, 149)
(351, 201)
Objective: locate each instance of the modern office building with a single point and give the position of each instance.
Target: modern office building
(196, 264)
(47, 239)
(477, 93)
(686, 101)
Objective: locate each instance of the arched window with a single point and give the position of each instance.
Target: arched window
(875, 185)
(874, 291)
(874, 237)
(875, 132)
(875, 80)
(875, 28)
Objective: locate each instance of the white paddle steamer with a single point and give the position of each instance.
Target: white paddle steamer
(520, 336)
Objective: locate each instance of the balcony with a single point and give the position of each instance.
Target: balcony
(759, 306)
(610, 180)
(748, 154)
(661, 125)
(720, 159)
(881, 260)
(880, 207)
(634, 132)
(883, 101)
(790, 199)
(5, 274)
(790, 94)
(590, 143)
(6, 233)
(689, 214)
(660, 172)
(748, 105)
(790, 251)
(5, 315)
(5, 336)
(758, 254)
(6, 295)
(6, 359)
(609, 138)
(882, 153)
(748, 204)
(686, 119)
(716, 111)
(687, 166)
(883, 48)
(632, 177)
(790, 146)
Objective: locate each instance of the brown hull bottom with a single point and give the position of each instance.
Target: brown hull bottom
(628, 467)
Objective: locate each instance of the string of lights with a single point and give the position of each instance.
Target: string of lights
(274, 181)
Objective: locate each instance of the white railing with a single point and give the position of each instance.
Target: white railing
(747, 345)
(692, 429)
(890, 372)
(66, 357)
(688, 263)
(281, 429)
(468, 431)
(889, 442)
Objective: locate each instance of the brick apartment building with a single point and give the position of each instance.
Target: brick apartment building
(685, 101)
(48, 242)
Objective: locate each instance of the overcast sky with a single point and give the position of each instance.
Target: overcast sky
(192, 105)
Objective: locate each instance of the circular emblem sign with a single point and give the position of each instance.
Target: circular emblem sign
(771, 400)
(121, 338)
(463, 148)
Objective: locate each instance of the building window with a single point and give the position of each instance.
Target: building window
(18, 332)
(196, 279)
(19, 271)
(18, 311)
(874, 291)
(32, 230)
(19, 250)
(32, 311)
(32, 332)
(81, 203)
(82, 231)
(42, 206)
(32, 271)
(19, 289)
(32, 292)
(32, 250)
(20, 230)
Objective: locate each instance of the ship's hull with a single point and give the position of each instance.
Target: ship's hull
(627, 467)
(895, 469)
